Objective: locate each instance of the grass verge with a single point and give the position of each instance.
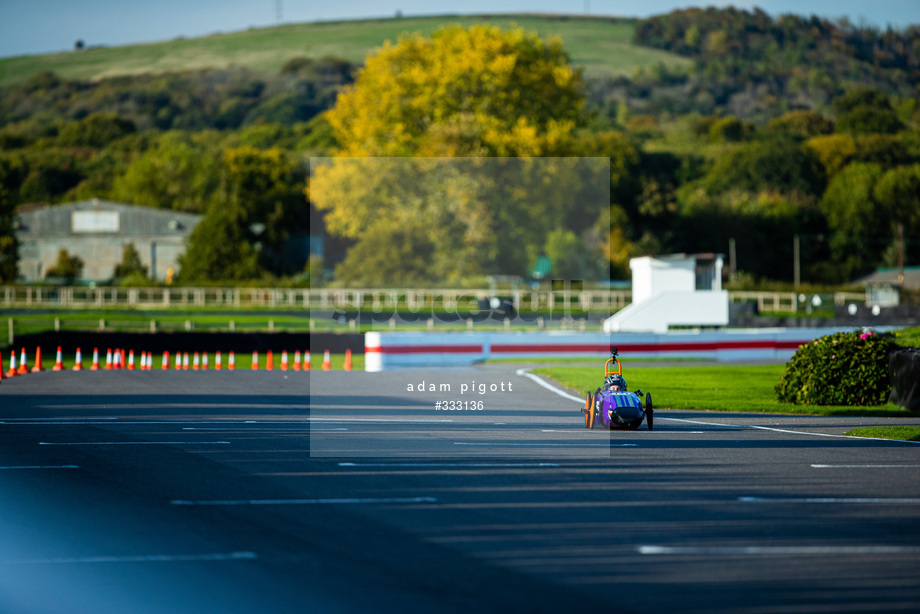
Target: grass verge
(717, 387)
(904, 433)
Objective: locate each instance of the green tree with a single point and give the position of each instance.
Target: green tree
(898, 195)
(130, 264)
(482, 215)
(800, 124)
(856, 218)
(469, 94)
(849, 202)
(573, 257)
(729, 130)
(390, 253)
(775, 165)
(95, 130)
(67, 267)
(9, 244)
(863, 110)
(268, 185)
(220, 248)
(177, 173)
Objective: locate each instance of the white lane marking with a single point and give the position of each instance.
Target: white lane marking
(760, 550)
(448, 464)
(133, 443)
(827, 500)
(42, 467)
(107, 422)
(307, 501)
(548, 386)
(775, 430)
(149, 558)
(376, 420)
(578, 445)
(262, 430)
(861, 466)
(307, 421)
(32, 420)
(577, 428)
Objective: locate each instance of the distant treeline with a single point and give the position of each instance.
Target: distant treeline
(754, 66)
(782, 127)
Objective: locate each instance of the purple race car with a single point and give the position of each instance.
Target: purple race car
(613, 406)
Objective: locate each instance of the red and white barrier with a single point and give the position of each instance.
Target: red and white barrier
(385, 350)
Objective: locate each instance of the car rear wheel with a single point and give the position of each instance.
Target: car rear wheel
(649, 411)
(588, 403)
(592, 411)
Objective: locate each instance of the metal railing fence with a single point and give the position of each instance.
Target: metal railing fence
(372, 299)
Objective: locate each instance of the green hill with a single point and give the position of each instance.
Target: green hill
(602, 46)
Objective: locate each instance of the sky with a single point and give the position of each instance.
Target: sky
(29, 27)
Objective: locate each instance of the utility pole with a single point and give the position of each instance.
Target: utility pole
(796, 266)
(732, 259)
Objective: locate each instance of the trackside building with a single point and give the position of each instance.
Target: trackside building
(97, 231)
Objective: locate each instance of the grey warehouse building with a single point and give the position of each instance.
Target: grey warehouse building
(97, 231)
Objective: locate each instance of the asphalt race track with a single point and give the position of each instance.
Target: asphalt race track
(206, 492)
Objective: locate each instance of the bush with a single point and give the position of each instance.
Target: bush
(839, 369)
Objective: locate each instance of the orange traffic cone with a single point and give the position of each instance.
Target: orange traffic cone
(58, 361)
(23, 363)
(185, 361)
(116, 360)
(284, 360)
(78, 363)
(297, 360)
(13, 371)
(270, 361)
(108, 359)
(38, 366)
(122, 363)
(95, 365)
(217, 364)
(231, 362)
(255, 361)
(131, 360)
(196, 362)
(178, 361)
(164, 361)
(306, 361)
(204, 361)
(327, 361)
(347, 366)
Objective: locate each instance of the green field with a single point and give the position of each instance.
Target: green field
(148, 321)
(602, 46)
(902, 433)
(717, 387)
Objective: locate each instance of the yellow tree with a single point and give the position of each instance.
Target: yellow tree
(472, 94)
(463, 91)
